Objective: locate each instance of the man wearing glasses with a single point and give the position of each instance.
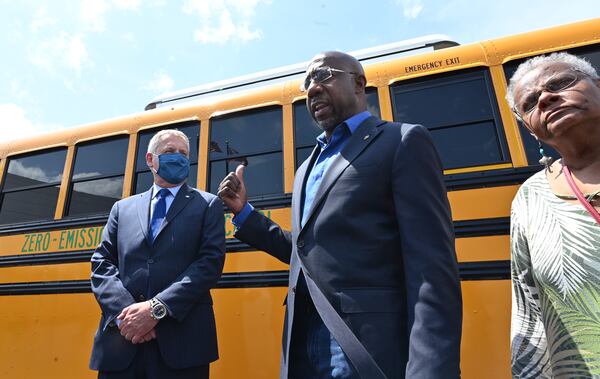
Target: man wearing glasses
(373, 288)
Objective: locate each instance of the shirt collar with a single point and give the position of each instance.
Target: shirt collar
(173, 190)
(351, 124)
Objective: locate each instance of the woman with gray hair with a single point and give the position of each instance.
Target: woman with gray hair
(555, 225)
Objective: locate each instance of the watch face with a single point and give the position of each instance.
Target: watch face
(159, 311)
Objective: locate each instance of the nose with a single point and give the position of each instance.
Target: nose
(314, 88)
(546, 99)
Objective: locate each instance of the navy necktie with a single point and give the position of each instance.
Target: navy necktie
(159, 212)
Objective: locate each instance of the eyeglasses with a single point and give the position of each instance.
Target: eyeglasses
(319, 75)
(556, 83)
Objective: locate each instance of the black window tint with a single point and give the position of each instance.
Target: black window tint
(143, 181)
(253, 138)
(251, 132)
(100, 159)
(305, 132)
(35, 170)
(302, 154)
(258, 177)
(532, 151)
(97, 180)
(95, 196)
(373, 101)
(29, 205)
(143, 176)
(457, 145)
(460, 111)
(31, 186)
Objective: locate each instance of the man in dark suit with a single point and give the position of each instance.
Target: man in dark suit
(374, 290)
(161, 252)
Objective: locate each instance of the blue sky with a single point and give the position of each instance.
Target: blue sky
(67, 63)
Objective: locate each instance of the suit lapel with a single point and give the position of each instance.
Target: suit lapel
(184, 195)
(143, 209)
(360, 139)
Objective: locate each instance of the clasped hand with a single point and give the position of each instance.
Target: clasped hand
(136, 324)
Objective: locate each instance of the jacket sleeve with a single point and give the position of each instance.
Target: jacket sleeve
(433, 292)
(204, 273)
(262, 233)
(529, 349)
(107, 287)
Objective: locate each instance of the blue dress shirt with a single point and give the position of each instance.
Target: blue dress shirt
(329, 151)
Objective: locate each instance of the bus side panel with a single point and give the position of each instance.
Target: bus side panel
(47, 336)
(485, 349)
(249, 327)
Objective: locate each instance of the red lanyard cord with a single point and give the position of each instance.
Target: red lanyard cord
(579, 195)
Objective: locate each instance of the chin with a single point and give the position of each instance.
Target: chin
(327, 124)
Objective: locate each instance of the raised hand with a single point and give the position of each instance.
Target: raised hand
(232, 190)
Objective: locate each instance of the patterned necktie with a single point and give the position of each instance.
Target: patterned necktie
(159, 212)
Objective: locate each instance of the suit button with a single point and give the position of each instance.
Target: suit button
(112, 324)
(141, 298)
(300, 244)
(150, 261)
(294, 289)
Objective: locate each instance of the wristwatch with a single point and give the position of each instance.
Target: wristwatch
(157, 309)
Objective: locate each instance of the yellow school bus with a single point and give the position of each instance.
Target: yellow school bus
(56, 191)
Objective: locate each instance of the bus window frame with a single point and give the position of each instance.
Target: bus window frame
(251, 153)
(6, 163)
(466, 74)
(72, 182)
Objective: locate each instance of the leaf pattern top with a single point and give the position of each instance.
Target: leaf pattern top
(555, 268)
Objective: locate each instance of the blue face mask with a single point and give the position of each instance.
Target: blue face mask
(174, 168)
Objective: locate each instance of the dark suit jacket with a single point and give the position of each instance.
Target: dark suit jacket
(379, 244)
(184, 262)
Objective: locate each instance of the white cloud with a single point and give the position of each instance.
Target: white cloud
(131, 5)
(62, 50)
(16, 124)
(41, 19)
(33, 172)
(111, 187)
(222, 21)
(411, 8)
(162, 82)
(92, 14)
(17, 91)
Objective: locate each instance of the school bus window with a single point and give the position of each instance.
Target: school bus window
(253, 138)
(97, 180)
(143, 176)
(373, 101)
(460, 111)
(31, 186)
(532, 151)
(305, 132)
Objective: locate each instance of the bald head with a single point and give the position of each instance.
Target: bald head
(339, 60)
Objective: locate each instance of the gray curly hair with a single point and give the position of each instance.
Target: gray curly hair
(576, 63)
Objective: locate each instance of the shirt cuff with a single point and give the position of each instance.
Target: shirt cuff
(241, 217)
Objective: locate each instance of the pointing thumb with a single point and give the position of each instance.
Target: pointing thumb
(239, 172)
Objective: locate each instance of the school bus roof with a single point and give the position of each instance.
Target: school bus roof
(380, 73)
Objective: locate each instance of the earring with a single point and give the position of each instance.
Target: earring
(545, 160)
